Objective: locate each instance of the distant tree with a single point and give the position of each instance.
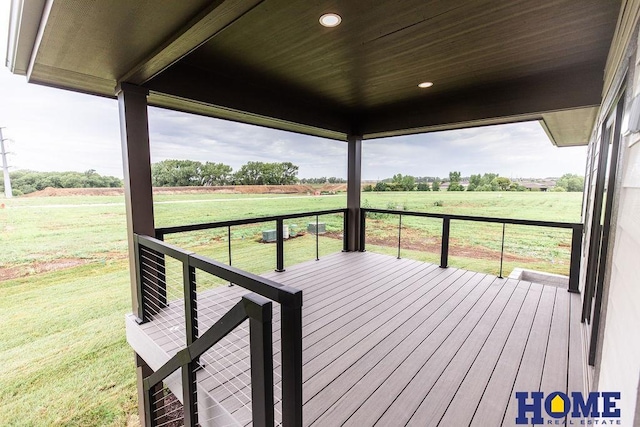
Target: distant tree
(571, 182)
(260, 173)
(287, 173)
(503, 183)
(435, 186)
(423, 186)
(475, 181)
(321, 180)
(336, 180)
(27, 181)
(176, 173)
(215, 174)
(488, 177)
(454, 182)
(380, 186)
(402, 183)
(367, 188)
(249, 174)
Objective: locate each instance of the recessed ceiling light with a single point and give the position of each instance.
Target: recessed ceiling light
(330, 20)
(425, 85)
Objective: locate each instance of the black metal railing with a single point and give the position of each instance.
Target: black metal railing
(279, 220)
(576, 238)
(151, 255)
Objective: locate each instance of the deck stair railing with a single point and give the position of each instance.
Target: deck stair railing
(156, 263)
(576, 236)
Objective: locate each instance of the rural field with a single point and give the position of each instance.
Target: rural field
(64, 283)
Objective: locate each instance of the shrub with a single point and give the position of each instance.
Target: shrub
(380, 186)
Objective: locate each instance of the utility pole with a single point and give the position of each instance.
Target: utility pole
(8, 193)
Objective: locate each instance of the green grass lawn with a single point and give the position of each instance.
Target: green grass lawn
(64, 359)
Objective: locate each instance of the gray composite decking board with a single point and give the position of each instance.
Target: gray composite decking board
(496, 395)
(322, 319)
(343, 305)
(462, 401)
(349, 317)
(532, 363)
(380, 307)
(216, 305)
(334, 269)
(327, 319)
(378, 278)
(442, 377)
(231, 378)
(355, 363)
(331, 338)
(400, 377)
(380, 335)
(331, 264)
(366, 338)
(554, 375)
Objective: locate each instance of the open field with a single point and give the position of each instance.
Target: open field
(64, 281)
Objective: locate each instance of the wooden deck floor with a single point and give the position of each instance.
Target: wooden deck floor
(399, 342)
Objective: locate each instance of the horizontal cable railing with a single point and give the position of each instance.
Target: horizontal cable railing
(168, 280)
(241, 242)
(446, 221)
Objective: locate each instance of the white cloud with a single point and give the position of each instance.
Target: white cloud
(515, 150)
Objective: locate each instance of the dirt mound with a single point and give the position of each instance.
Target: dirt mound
(64, 192)
(7, 273)
(227, 189)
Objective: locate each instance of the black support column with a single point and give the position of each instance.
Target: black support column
(136, 161)
(354, 174)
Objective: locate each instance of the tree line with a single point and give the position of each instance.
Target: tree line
(185, 173)
(323, 180)
(28, 181)
(479, 182)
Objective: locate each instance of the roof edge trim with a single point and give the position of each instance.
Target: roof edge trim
(24, 23)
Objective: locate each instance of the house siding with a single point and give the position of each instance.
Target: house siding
(619, 368)
(618, 361)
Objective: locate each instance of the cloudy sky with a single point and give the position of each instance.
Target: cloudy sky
(56, 130)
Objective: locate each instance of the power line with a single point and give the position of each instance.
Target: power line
(8, 193)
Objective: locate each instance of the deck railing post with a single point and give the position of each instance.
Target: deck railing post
(229, 247)
(399, 233)
(345, 231)
(149, 407)
(363, 229)
(189, 395)
(229, 243)
(574, 269)
(261, 344)
(444, 248)
(502, 250)
(161, 275)
(317, 243)
(280, 245)
(141, 313)
(190, 302)
(291, 343)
